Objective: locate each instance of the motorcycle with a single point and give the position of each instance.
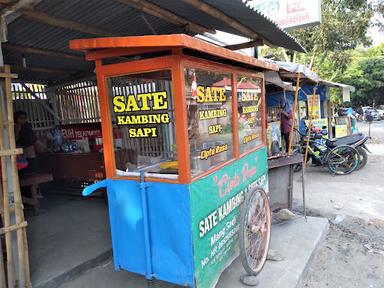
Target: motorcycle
(357, 141)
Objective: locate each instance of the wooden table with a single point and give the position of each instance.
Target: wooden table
(34, 180)
(73, 166)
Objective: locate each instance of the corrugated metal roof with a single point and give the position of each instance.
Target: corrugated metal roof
(257, 22)
(296, 68)
(114, 17)
(111, 16)
(33, 60)
(189, 12)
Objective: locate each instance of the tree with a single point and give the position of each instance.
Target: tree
(366, 73)
(344, 27)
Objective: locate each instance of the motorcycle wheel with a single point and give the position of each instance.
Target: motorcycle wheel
(363, 158)
(343, 160)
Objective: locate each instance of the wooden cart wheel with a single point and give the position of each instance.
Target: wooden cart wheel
(255, 230)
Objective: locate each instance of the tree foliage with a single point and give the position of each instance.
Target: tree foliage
(366, 73)
(338, 48)
(344, 26)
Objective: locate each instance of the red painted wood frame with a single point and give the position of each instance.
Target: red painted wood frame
(176, 63)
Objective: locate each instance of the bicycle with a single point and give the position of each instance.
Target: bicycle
(340, 160)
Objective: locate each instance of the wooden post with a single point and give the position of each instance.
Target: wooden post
(294, 113)
(2, 271)
(22, 247)
(6, 210)
(309, 129)
(330, 117)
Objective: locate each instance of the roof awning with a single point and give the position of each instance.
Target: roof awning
(339, 85)
(293, 69)
(274, 78)
(38, 35)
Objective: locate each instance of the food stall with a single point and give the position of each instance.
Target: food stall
(341, 125)
(184, 146)
(280, 165)
(294, 82)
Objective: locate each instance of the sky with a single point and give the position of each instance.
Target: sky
(377, 36)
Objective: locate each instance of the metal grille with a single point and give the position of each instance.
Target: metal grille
(78, 103)
(39, 117)
(72, 104)
(160, 146)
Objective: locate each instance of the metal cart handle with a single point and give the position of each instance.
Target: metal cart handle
(93, 187)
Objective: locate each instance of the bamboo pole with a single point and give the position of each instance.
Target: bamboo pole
(294, 113)
(23, 262)
(15, 177)
(309, 129)
(2, 271)
(6, 212)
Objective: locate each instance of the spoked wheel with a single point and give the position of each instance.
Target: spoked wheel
(255, 229)
(363, 158)
(343, 160)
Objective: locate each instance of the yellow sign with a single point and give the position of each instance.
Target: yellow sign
(341, 130)
(140, 102)
(210, 94)
(126, 107)
(314, 102)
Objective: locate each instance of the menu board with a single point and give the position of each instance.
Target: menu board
(249, 99)
(314, 106)
(209, 107)
(215, 209)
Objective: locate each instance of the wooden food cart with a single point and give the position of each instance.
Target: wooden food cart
(184, 143)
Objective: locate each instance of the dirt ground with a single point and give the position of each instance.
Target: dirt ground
(352, 254)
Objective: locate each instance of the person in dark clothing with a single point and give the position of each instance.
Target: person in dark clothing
(25, 138)
(360, 113)
(285, 120)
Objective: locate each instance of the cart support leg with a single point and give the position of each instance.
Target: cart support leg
(303, 188)
(148, 253)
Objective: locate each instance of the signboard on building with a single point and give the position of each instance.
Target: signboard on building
(314, 103)
(346, 94)
(289, 14)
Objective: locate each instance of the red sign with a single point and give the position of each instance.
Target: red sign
(79, 131)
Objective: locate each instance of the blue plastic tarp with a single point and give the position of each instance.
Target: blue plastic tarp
(273, 99)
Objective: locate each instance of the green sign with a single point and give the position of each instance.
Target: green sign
(215, 207)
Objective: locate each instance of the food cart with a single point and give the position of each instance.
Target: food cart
(183, 126)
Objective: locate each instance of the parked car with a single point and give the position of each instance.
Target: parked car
(381, 112)
(374, 113)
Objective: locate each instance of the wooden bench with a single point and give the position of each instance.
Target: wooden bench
(34, 180)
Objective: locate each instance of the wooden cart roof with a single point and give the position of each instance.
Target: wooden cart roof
(98, 48)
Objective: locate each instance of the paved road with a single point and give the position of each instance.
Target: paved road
(360, 194)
